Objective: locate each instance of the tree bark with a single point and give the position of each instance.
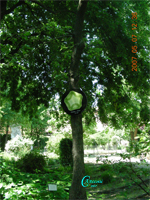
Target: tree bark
(135, 133)
(22, 130)
(31, 131)
(132, 134)
(77, 191)
(6, 138)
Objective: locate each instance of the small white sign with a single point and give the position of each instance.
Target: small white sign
(52, 187)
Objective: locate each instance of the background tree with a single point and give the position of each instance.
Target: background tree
(39, 124)
(9, 118)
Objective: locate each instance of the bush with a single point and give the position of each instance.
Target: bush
(89, 170)
(41, 142)
(32, 162)
(121, 167)
(51, 161)
(2, 140)
(19, 146)
(53, 143)
(107, 177)
(105, 167)
(66, 152)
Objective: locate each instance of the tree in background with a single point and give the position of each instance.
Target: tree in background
(39, 124)
(45, 48)
(9, 117)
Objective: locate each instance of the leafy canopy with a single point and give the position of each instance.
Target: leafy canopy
(37, 42)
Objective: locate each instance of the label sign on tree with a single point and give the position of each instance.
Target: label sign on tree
(74, 101)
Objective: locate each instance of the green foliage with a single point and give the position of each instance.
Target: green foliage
(105, 167)
(107, 177)
(88, 170)
(32, 162)
(53, 143)
(34, 80)
(2, 140)
(39, 122)
(93, 138)
(19, 145)
(142, 145)
(41, 142)
(9, 117)
(115, 140)
(123, 168)
(51, 161)
(8, 156)
(22, 185)
(38, 62)
(66, 152)
(15, 184)
(133, 147)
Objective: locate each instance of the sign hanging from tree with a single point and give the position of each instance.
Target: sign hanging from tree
(74, 101)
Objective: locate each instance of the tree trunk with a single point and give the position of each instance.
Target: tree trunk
(132, 134)
(22, 130)
(37, 137)
(135, 133)
(31, 131)
(77, 191)
(6, 138)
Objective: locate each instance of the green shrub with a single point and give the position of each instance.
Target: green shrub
(41, 142)
(51, 161)
(89, 170)
(105, 167)
(121, 167)
(2, 140)
(7, 156)
(66, 152)
(107, 177)
(19, 146)
(53, 143)
(32, 162)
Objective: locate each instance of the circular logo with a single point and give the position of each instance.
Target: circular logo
(74, 101)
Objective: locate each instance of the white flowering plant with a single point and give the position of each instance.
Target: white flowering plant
(19, 145)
